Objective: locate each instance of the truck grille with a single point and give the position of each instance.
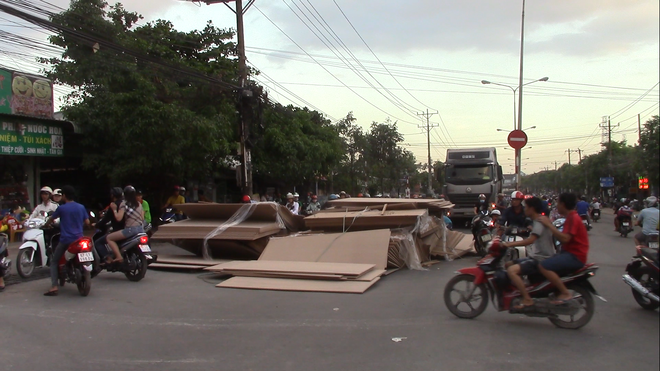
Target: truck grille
(465, 200)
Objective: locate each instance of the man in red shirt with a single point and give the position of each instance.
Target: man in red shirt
(574, 250)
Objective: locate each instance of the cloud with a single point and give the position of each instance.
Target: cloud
(393, 27)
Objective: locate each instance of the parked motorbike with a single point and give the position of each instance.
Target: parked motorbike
(467, 295)
(76, 265)
(595, 215)
(35, 250)
(135, 251)
(643, 275)
(5, 262)
(625, 226)
(482, 229)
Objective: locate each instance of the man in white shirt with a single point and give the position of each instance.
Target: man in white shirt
(46, 206)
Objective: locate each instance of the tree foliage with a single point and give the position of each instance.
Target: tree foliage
(649, 158)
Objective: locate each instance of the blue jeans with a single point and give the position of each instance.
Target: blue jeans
(562, 263)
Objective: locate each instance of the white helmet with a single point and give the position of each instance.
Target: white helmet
(495, 212)
(57, 192)
(482, 196)
(652, 201)
(517, 195)
(289, 195)
(46, 189)
(295, 194)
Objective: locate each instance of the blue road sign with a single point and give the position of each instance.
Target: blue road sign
(607, 182)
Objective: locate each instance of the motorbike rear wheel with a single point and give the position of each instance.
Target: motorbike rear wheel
(83, 281)
(138, 266)
(574, 322)
(644, 275)
(470, 294)
(23, 265)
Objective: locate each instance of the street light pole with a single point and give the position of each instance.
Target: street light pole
(520, 93)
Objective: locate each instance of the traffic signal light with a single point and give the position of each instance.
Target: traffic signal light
(643, 183)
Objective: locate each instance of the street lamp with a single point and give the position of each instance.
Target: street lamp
(514, 90)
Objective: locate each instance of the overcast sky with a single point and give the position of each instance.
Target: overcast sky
(601, 57)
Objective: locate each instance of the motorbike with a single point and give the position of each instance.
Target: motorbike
(643, 276)
(169, 216)
(76, 265)
(585, 221)
(467, 294)
(512, 234)
(652, 241)
(482, 227)
(134, 250)
(5, 262)
(625, 226)
(36, 248)
(595, 215)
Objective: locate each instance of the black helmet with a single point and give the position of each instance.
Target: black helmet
(117, 192)
(129, 189)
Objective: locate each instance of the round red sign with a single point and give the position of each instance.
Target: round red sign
(517, 139)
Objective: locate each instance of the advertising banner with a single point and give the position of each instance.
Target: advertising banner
(31, 139)
(27, 95)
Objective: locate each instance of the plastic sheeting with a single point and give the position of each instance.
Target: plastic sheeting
(239, 216)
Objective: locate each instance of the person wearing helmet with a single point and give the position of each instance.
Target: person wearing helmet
(648, 220)
(481, 205)
(246, 199)
(314, 205)
(623, 213)
(117, 197)
(495, 216)
(334, 197)
(595, 205)
(515, 215)
(343, 194)
(57, 197)
(292, 205)
(132, 213)
(296, 199)
(47, 206)
(175, 199)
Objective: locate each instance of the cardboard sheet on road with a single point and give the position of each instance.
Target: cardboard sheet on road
(298, 267)
(281, 284)
(366, 247)
(189, 260)
(176, 266)
(249, 230)
(364, 219)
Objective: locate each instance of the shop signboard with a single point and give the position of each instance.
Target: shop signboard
(31, 139)
(26, 95)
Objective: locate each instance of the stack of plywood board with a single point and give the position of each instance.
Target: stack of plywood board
(336, 262)
(184, 262)
(236, 231)
(434, 206)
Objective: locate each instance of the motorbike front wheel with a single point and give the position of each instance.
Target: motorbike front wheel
(587, 308)
(24, 266)
(465, 299)
(137, 266)
(644, 276)
(83, 281)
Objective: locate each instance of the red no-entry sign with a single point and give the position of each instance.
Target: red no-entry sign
(517, 139)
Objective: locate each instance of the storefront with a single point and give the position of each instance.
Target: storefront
(29, 136)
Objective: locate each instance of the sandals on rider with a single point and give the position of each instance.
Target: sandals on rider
(51, 293)
(521, 308)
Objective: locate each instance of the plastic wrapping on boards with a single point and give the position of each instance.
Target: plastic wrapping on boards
(408, 251)
(239, 216)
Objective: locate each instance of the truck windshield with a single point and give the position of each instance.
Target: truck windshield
(469, 174)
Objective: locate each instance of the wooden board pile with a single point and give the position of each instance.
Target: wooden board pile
(336, 262)
(234, 231)
(418, 231)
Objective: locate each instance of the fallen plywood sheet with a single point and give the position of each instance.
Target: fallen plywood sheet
(281, 284)
(369, 276)
(366, 247)
(200, 229)
(176, 266)
(453, 239)
(262, 211)
(331, 277)
(381, 201)
(464, 247)
(224, 249)
(364, 219)
(299, 267)
(189, 260)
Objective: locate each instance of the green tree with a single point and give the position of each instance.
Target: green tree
(141, 117)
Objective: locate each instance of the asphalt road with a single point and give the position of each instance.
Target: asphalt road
(178, 321)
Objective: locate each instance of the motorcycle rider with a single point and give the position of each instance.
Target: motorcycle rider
(515, 214)
(595, 205)
(495, 216)
(624, 212)
(575, 246)
(117, 197)
(46, 206)
(145, 206)
(73, 217)
(314, 205)
(292, 205)
(543, 248)
(482, 205)
(57, 197)
(132, 210)
(501, 203)
(582, 208)
(175, 199)
(648, 220)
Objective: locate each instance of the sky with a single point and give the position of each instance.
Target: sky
(396, 59)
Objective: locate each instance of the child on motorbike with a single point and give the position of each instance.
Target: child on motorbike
(543, 248)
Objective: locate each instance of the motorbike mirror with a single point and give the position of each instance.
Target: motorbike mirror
(91, 213)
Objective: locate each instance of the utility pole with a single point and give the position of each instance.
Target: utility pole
(518, 156)
(580, 154)
(569, 154)
(428, 128)
(555, 165)
(244, 93)
(639, 129)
